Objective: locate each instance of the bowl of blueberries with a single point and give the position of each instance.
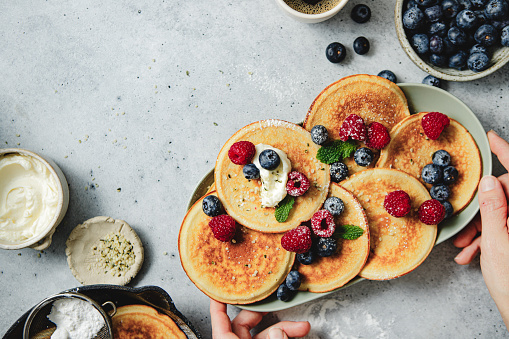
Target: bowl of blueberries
(455, 40)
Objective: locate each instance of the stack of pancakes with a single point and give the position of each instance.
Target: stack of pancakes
(254, 264)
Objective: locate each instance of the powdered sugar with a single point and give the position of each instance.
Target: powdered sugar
(75, 319)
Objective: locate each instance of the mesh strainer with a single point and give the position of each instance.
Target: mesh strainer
(38, 326)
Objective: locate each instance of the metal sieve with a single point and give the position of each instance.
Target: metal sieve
(38, 326)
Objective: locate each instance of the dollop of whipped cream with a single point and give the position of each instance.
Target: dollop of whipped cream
(273, 188)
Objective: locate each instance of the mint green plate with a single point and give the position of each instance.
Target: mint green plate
(421, 98)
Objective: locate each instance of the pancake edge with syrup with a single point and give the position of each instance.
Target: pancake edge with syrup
(241, 197)
(210, 264)
(328, 273)
(418, 151)
(397, 245)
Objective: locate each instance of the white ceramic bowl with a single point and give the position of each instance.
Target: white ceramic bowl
(311, 18)
(43, 239)
(499, 59)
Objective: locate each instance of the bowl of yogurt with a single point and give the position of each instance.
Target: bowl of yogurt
(34, 197)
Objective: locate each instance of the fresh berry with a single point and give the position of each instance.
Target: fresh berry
(211, 206)
(242, 152)
(432, 174)
(223, 226)
(478, 62)
(378, 136)
(440, 192)
(449, 210)
(478, 48)
(432, 81)
(497, 9)
(353, 127)
(438, 60)
(434, 123)
(438, 28)
(269, 159)
(504, 36)
(360, 13)
(457, 36)
(326, 247)
(389, 75)
(306, 258)
(441, 158)
(450, 175)
(431, 212)
(251, 171)
(361, 45)
(335, 52)
(413, 18)
(466, 20)
(363, 156)
(338, 171)
(436, 44)
(450, 8)
(323, 224)
(458, 60)
(297, 184)
(284, 293)
(319, 134)
(397, 203)
(334, 205)
(486, 35)
(297, 240)
(293, 280)
(479, 3)
(433, 13)
(427, 3)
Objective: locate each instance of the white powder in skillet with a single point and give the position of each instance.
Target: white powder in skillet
(75, 319)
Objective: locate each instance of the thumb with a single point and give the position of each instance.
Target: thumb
(493, 205)
(276, 333)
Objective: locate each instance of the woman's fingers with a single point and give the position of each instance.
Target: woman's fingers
(221, 325)
(293, 329)
(469, 252)
(500, 148)
(493, 204)
(245, 321)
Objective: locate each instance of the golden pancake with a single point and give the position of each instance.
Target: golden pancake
(397, 245)
(247, 269)
(241, 197)
(371, 97)
(142, 322)
(326, 274)
(410, 150)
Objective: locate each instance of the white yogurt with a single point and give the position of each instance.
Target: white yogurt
(28, 197)
(273, 188)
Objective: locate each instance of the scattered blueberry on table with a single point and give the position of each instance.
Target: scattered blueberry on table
(335, 52)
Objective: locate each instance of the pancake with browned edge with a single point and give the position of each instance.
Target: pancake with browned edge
(397, 245)
(247, 269)
(328, 273)
(142, 322)
(241, 197)
(410, 150)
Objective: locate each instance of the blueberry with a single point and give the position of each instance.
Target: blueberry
(306, 258)
(441, 158)
(449, 211)
(466, 19)
(466, 4)
(211, 206)
(432, 81)
(411, 3)
(335, 52)
(478, 48)
(438, 60)
(486, 35)
(449, 48)
(251, 171)
(481, 18)
(319, 134)
(413, 18)
(438, 28)
(360, 13)
(450, 8)
(338, 171)
(293, 280)
(432, 174)
(440, 192)
(457, 36)
(334, 205)
(326, 247)
(450, 175)
(361, 45)
(499, 25)
(479, 3)
(458, 60)
(284, 293)
(363, 156)
(269, 159)
(478, 62)
(504, 36)
(427, 3)
(433, 13)
(420, 43)
(388, 75)
(436, 44)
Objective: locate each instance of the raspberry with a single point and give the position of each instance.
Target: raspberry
(353, 126)
(241, 152)
(297, 240)
(378, 136)
(323, 224)
(397, 203)
(434, 123)
(431, 212)
(223, 226)
(297, 184)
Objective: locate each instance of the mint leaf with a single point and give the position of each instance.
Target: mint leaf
(336, 151)
(283, 208)
(348, 232)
